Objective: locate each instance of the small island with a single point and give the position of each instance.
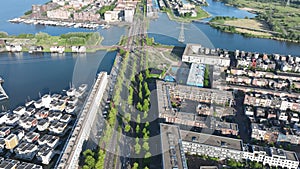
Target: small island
(78, 42)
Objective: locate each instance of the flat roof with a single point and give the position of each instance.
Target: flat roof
(172, 152)
(211, 140)
(200, 51)
(291, 155)
(196, 75)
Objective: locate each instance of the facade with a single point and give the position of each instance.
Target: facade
(11, 141)
(58, 14)
(211, 145)
(128, 14)
(271, 156)
(111, 16)
(195, 53)
(229, 148)
(86, 16)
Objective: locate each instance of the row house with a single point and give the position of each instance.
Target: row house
(239, 79)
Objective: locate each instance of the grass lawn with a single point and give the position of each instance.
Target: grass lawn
(249, 23)
(201, 14)
(281, 18)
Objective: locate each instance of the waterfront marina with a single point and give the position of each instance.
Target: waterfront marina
(35, 133)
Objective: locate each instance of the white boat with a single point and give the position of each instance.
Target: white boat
(29, 103)
(81, 90)
(70, 108)
(73, 100)
(71, 92)
(38, 104)
(46, 99)
(105, 27)
(83, 87)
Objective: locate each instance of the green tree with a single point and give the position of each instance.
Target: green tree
(138, 118)
(88, 152)
(127, 117)
(145, 115)
(139, 106)
(85, 167)
(137, 128)
(146, 146)
(90, 161)
(147, 124)
(148, 155)
(127, 128)
(141, 77)
(137, 148)
(135, 165)
(146, 105)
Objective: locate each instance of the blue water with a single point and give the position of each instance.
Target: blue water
(167, 32)
(26, 75)
(16, 8)
(216, 8)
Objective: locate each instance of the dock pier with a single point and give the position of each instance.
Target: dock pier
(3, 95)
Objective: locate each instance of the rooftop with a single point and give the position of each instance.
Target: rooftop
(173, 156)
(211, 140)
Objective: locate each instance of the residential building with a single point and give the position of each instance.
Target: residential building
(280, 158)
(26, 151)
(45, 154)
(172, 150)
(258, 132)
(58, 14)
(49, 140)
(31, 137)
(196, 75)
(128, 14)
(211, 145)
(4, 131)
(86, 16)
(25, 165)
(11, 141)
(195, 53)
(226, 148)
(8, 163)
(43, 124)
(111, 16)
(57, 127)
(20, 110)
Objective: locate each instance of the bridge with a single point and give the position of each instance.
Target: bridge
(3, 95)
(69, 157)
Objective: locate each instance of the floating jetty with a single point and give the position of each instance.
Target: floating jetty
(3, 95)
